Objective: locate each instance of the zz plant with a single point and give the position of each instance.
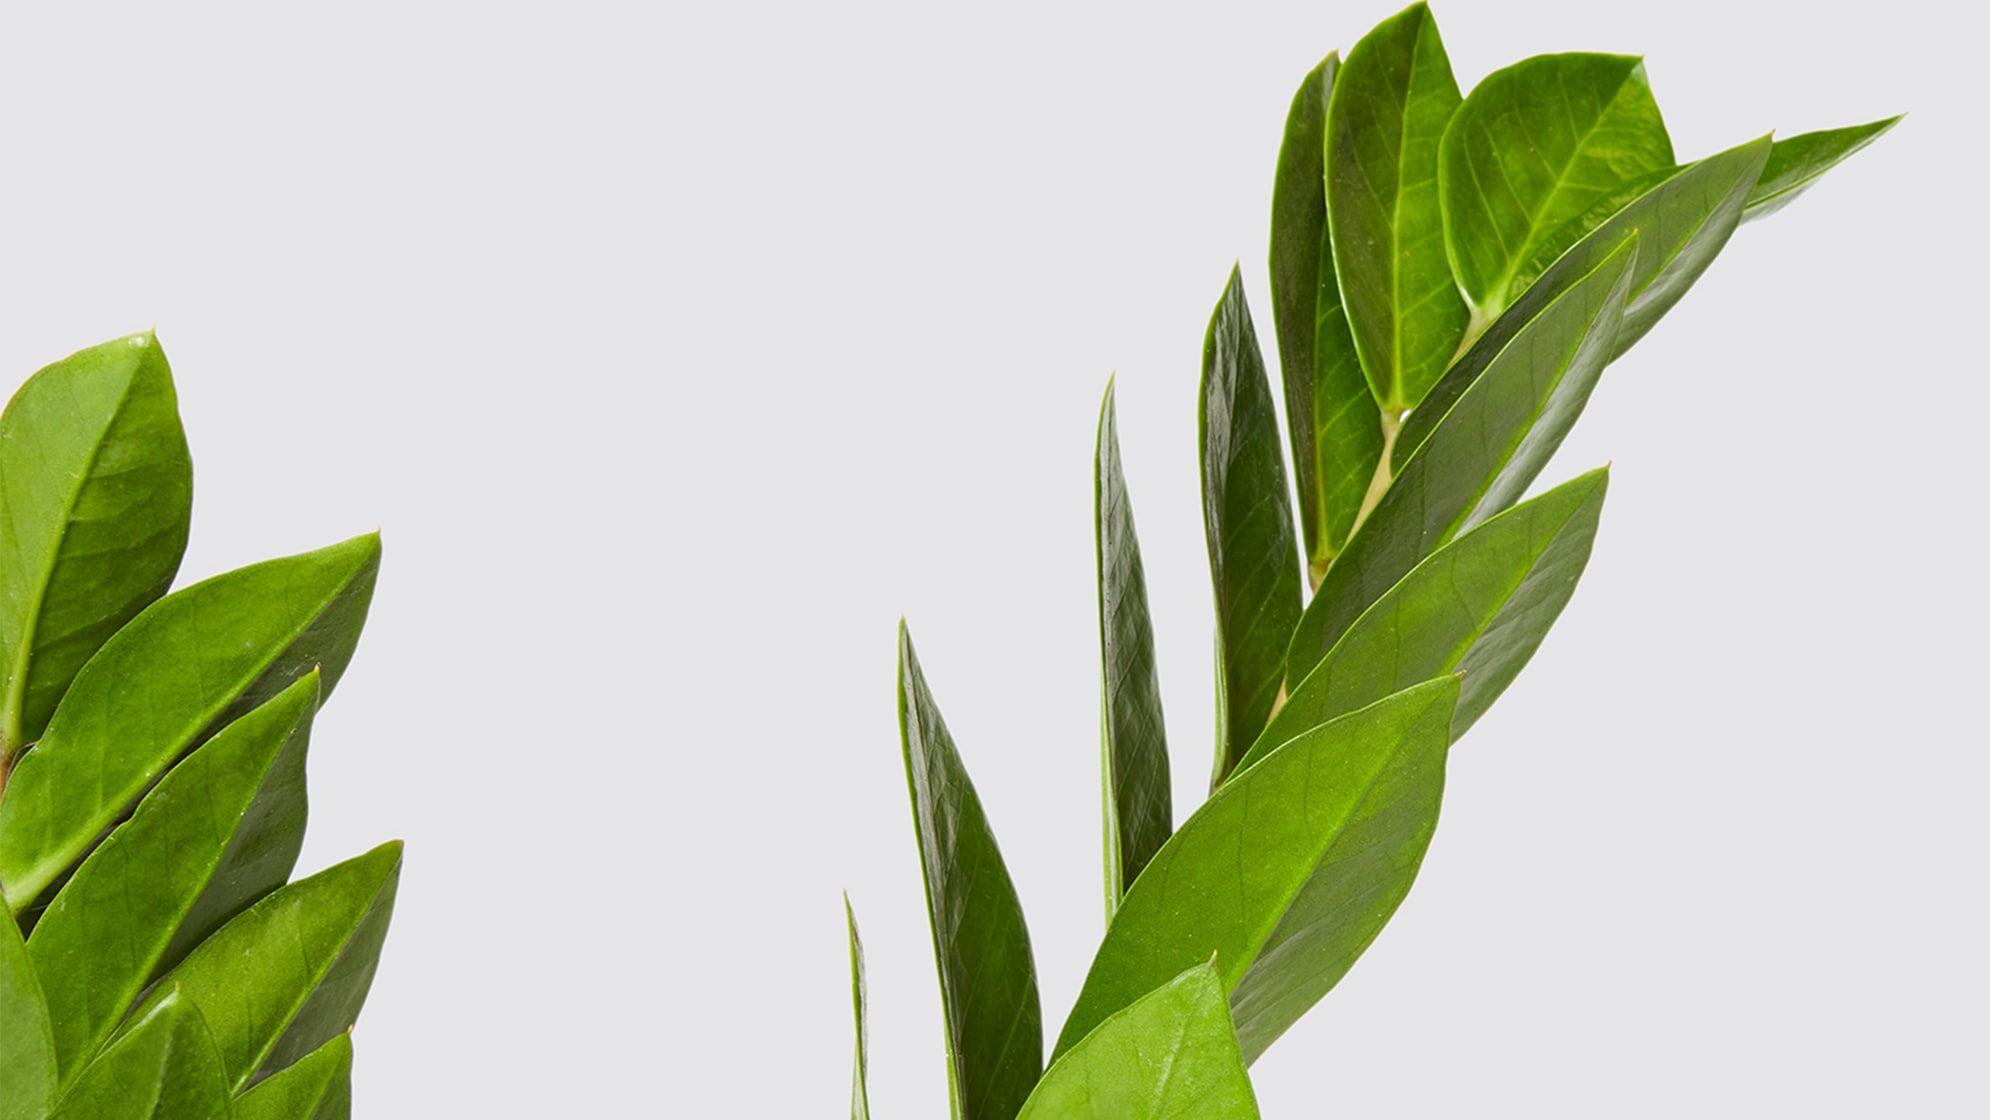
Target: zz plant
(1450, 275)
(155, 960)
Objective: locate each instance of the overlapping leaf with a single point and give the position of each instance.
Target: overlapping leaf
(317, 1087)
(1796, 163)
(27, 1040)
(163, 1067)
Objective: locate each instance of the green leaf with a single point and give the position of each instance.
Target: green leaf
(1483, 455)
(163, 1067)
(1286, 873)
(27, 1042)
(1248, 522)
(987, 975)
(108, 931)
(187, 664)
(860, 1097)
(1170, 1055)
(98, 488)
(1794, 164)
(1532, 147)
(290, 972)
(1478, 607)
(1139, 810)
(317, 1087)
(1391, 102)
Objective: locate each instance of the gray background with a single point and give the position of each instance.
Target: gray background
(679, 350)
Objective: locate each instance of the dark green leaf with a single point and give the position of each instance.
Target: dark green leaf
(1350, 442)
(27, 1043)
(317, 1087)
(162, 1067)
(1286, 873)
(1479, 607)
(1794, 164)
(1391, 102)
(108, 930)
(97, 486)
(1139, 810)
(187, 664)
(290, 973)
(860, 1096)
(987, 975)
(1248, 521)
(1535, 145)
(1171, 1055)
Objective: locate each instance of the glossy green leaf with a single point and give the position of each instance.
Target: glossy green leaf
(1139, 811)
(1533, 146)
(1286, 873)
(188, 663)
(1484, 454)
(1478, 607)
(1391, 102)
(163, 1067)
(1794, 164)
(317, 1087)
(27, 1042)
(290, 973)
(1170, 1055)
(860, 1094)
(987, 975)
(108, 931)
(98, 488)
(1253, 557)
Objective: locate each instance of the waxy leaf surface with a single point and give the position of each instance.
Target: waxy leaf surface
(1171, 1055)
(317, 1087)
(1794, 164)
(163, 1067)
(860, 1096)
(27, 1042)
(994, 1023)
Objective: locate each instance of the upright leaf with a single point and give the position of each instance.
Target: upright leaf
(27, 1042)
(860, 1096)
(317, 1087)
(1170, 1055)
(1286, 873)
(1478, 607)
(1533, 146)
(1252, 553)
(1794, 164)
(163, 1067)
(987, 975)
(1139, 810)
(97, 488)
(108, 930)
(290, 973)
(1391, 102)
(187, 664)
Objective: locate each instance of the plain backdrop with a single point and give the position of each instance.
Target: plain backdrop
(679, 349)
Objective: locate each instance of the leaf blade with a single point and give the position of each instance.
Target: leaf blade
(164, 1067)
(317, 1086)
(1795, 164)
(860, 1098)
(27, 1060)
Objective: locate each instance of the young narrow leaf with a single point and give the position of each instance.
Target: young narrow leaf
(1391, 102)
(97, 488)
(987, 975)
(290, 972)
(27, 1042)
(317, 1087)
(1478, 607)
(185, 665)
(108, 930)
(1484, 454)
(1139, 811)
(1171, 1055)
(1533, 146)
(1286, 873)
(162, 1067)
(1794, 164)
(1252, 553)
(860, 1096)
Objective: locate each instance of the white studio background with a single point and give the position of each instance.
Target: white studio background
(680, 349)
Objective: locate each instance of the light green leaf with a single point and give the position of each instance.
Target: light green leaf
(987, 975)
(1794, 164)
(1286, 873)
(1484, 454)
(27, 1042)
(108, 931)
(1391, 102)
(164, 1066)
(1478, 607)
(187, 664)
(1253, 558)
(97, 486)
(290, 973)
(1533, 146)
(317, 1087)
(1170, 1055)
(860, 1096)
(1139, 810)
